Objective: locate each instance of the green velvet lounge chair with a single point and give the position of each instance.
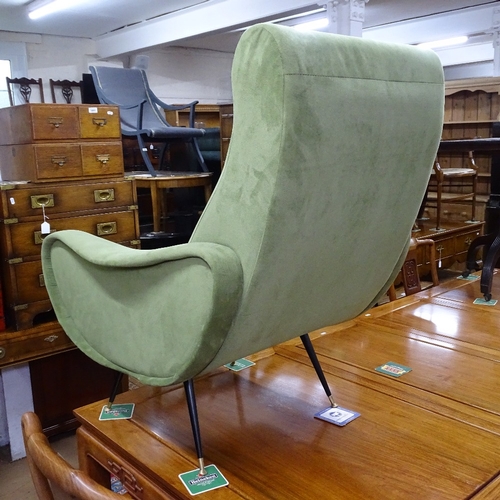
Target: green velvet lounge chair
(332, 147)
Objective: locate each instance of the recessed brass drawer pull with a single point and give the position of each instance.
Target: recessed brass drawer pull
(57, 121)
(42, 200)
(59, 159)
(41, 280)
(101, 195)
(38, 236)
(105, 228)
(103, 158)
(99, 121)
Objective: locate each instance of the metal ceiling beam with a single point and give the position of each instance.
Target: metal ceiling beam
(216, 16)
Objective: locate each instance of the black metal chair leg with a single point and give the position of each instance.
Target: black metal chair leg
(116, 386)
(488, 268)
(472, 263)
(319, 371)
(199, 156)
(145, 157)
(195, 426)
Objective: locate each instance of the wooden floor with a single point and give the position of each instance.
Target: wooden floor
(433, 433)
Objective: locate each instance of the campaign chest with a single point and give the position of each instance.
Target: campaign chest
(105, 208)
(50, 142)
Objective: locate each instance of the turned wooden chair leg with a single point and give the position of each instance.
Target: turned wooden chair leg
(317, 366)
(195, 425)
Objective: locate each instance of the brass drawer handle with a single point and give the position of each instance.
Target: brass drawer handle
(99, 121)
(55, 120)
(105, 228)
(3, 352)
(51, 338)
(101, 195)
(103, 158)
(41, 280)
(38, 236)
(42, 200)
(59, 159)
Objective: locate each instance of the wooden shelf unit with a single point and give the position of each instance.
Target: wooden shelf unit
(472, 107)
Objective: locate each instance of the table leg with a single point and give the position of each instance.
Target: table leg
(156, 206)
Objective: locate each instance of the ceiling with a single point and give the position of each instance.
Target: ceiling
(131, 26)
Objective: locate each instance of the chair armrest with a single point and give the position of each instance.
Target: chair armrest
(170, 107)
(176, 303)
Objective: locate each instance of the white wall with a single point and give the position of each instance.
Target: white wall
(176, 74)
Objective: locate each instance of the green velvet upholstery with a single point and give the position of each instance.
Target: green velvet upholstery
(332, 147)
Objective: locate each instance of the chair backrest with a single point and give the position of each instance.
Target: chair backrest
(47, 467)
(332, 147)
(20, 90)
(126, 87)
(64, 90)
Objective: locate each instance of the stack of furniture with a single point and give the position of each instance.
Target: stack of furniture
(60, 164)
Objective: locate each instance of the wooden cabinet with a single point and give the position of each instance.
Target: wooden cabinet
(104, 208)
(451, 246)
(47, 142)
(472, 108)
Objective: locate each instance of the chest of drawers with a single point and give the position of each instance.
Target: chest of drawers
(49, 142)
(105, 208)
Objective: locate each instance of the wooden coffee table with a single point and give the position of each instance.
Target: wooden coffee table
(169, 180)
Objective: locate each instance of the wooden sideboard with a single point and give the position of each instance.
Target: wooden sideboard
(472, 108)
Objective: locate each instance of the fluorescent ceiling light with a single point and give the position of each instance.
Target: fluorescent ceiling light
(448, 42)
(40, 8)
(312, 25)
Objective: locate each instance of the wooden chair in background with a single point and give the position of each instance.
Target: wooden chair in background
(65, 89)
(24, 89)
(409, 271)
(47, 467)
(444, 184)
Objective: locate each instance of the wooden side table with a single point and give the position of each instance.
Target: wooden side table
(169, 180)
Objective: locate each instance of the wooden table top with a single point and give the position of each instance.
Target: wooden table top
(433, 433)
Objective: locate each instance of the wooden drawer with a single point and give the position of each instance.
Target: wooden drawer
(26, 200)
(59, 161)
(24, 283)
(463, 242)
(30, 123)
(24, 239)
(99, 122)
(32, 343)
(101, 159)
